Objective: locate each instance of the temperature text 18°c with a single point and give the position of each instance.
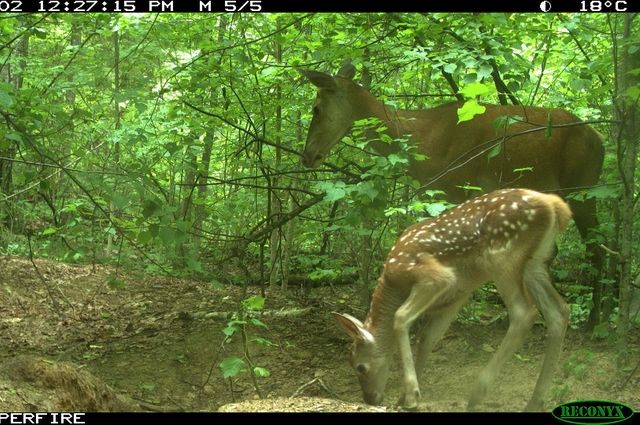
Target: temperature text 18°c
(603, 6)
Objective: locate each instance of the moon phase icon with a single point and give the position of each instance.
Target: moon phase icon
(545, 6)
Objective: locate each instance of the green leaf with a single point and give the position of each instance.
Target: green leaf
(172, 147)
(254, 303)
(230, 329)
(6, 100)
(470, 109)
(474, 89)
(469, 187)
(396, 159)
(49, 231)
(167, 234)
(263, 341)
(549, 129)
(601, 331)
(16, 137)
(233, 326)
(435, 208)
(144, 237)
(419, 157)
(432, 193)
(150, 207)
(578, 84)
(495, 151)
(505, 121)
(68, 208)
(418, 206)
(194, 265)
(368, 189)
(633, 93)
(115, 283)
(484, 71)
(333, 190)
(119, 201)
(215, 284)
(261, 372)
(258, 323)
(602, 192)
(389, 212)
(232, 366)
(148, 387)
(322, 274)
(450, 68)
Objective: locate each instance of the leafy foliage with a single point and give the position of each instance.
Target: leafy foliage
(169, 142)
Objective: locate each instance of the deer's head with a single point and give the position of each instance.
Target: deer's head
(332, 113)
(369, 361)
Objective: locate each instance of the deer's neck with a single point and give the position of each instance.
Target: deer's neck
(396, 121)
(385, 302)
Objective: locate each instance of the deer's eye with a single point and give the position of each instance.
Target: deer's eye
(316, 110)
(361, 368)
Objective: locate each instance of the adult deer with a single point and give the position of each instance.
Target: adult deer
(506, 236)
(568, 159)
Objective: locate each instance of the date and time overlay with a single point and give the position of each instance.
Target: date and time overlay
(255, 6)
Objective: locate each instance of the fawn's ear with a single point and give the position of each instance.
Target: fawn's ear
(353, 327)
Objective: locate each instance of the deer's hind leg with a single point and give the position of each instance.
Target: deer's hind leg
(433, 331)
(556, 317)
(522, 314)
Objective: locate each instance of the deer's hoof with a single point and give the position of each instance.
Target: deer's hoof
(409, 400)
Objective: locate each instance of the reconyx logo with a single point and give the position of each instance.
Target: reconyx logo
(591, 412)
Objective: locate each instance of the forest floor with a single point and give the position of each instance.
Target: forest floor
(156, 344)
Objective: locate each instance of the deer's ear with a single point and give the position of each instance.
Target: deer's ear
(319, 79)
(347, 71)
(353, 327)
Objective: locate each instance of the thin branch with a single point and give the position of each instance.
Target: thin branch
(26, 30)
(67, 65)
(490, 144)
(79, 184)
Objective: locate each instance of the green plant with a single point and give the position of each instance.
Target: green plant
(243, 323)
(578, 364)
(560, 392)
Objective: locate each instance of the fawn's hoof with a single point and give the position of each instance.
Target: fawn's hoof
(409, 401)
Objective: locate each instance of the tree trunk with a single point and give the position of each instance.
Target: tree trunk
(13, 76)
(200, 213)
(276, 237)
(116, 119)
(200, 208)
(627, 99)
(187, 190)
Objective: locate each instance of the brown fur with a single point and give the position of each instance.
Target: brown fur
(564, 158)
(504, 236)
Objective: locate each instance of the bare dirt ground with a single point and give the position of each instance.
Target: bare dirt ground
(70, 342)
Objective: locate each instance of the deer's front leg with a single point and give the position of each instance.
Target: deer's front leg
(421, 297)
(411, 395)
